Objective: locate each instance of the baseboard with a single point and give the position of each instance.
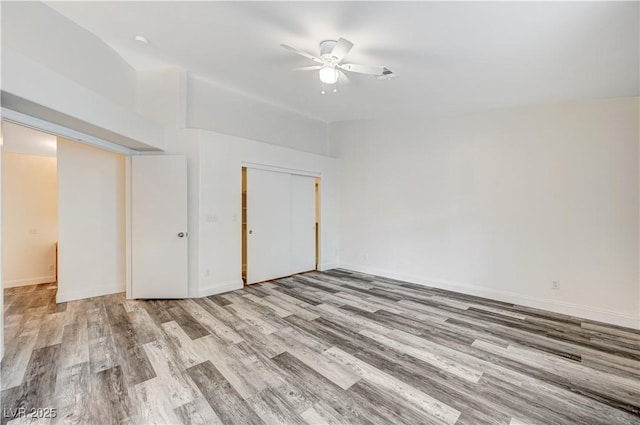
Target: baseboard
(29, 281)
(327, 266)
(577, 310)
(220, 287)
(65, 296)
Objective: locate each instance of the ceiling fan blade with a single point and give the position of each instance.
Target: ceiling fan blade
(302, 53)
(342, 78)
(309, 68)
(341, 49)
(362, 69)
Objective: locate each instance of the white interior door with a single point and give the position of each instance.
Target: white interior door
(303, 223)
(268, 225)
(159, 226)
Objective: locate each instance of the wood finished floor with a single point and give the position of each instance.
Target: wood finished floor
(332, 347)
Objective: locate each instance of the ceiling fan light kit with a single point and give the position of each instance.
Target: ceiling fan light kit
(329, 74)
(330, 67)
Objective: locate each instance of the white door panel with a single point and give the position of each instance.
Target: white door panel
(159, 226)
(303, 223)
(268, 225)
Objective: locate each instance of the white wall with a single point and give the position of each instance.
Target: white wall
(42, 34)
(162, 96)
(30, 219)
(46, 74)
(220, 194)
(91, 199)
(214, 108)
(35, 90)
(501, 204)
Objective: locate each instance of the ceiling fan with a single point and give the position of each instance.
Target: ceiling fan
(330, 65)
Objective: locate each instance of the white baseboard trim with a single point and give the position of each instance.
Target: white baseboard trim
(220, 287)
(328, 266)
(577, 310)
(64, 296)
(29, 281)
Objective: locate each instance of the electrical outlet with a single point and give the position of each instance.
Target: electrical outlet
(207, 273)
(555, 285)
(365, 256)
(50, 267)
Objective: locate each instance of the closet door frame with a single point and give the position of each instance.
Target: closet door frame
(291, 171)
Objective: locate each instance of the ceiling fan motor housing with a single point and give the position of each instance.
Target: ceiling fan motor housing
(326, 47)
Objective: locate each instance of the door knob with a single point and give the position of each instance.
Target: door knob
(251, 232)
(181, 235)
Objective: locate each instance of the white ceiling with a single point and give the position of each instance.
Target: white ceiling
(451, 57)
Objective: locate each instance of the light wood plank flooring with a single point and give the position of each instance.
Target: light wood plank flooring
(320, 348)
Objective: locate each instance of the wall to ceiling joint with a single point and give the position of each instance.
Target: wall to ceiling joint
(175, 98)
(215, 108)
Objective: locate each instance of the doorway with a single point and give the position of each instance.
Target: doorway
(30, 208)
(82, 245)
(280, 223)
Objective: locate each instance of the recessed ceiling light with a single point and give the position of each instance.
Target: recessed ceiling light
(142, 39)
